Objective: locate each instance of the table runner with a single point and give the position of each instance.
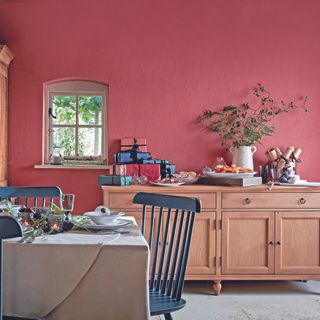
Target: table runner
(78, 276)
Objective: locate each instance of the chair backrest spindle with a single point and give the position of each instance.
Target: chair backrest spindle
(172, 239)
(156, 249)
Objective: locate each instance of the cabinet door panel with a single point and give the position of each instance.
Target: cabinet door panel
(298, 251)
(202, 250)
(245, 243)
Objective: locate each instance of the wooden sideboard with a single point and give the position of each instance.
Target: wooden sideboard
(244, 233)
(5, 59)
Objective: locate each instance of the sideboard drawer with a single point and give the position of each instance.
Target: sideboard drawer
(123, 200)
(294, 200)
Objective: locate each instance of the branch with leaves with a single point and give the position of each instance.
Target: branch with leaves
(246, 124)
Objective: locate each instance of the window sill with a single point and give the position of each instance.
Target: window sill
(75, 167)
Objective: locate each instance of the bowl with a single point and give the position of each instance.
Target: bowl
(190, 180)
(104, 218)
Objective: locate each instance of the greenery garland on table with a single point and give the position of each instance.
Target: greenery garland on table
(37, 222)
(246, 124)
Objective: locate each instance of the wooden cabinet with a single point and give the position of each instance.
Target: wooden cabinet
(244, 233)
(5, 59)
(202, 256)
(298, 242)
(247, 243)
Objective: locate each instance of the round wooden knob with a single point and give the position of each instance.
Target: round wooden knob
(271, 242)
(278, 243)
(247, 201)
(302, 201)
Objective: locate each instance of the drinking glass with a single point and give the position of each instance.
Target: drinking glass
(276, 174)
(67, 204)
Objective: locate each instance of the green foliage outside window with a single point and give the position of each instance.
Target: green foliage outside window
(89, 114)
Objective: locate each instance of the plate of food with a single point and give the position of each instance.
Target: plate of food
(232, 171)
(168, 182)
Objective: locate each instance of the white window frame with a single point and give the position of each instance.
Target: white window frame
(74, 88)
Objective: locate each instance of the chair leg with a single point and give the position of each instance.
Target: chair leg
(168, 316)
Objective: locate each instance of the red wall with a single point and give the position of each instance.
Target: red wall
(164, 61)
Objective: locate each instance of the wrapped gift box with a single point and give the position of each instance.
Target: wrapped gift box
(114, 180)
(127, 144)
(151, 171)
(126, 169)
(151, 161)
(125, 157)
(119, 170)
(167, 170)
(132, 169)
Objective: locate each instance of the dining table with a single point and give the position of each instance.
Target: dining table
(78, 275)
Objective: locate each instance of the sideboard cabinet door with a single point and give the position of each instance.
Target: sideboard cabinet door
(202, 255)
(201, 258)
(247, 243)
(298, 242)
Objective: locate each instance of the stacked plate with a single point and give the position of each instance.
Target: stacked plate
(105, 219)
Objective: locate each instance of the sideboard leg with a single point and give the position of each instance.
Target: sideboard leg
(217, 287)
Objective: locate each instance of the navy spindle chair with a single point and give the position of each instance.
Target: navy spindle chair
(10, 228)
(31, 196)
(169, 237)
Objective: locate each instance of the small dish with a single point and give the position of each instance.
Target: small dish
(100, 218)
(190, 180)
(110, 226)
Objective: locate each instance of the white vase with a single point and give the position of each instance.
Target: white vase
(242, 156)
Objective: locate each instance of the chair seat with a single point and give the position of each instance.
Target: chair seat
(161, 303)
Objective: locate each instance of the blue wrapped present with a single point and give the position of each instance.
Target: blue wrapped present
(131, 156)
(151, 161)
(113, 180)
(167, 170)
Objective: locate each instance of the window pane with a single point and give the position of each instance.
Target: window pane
(89, 142)
(90, 110)
(65, 139)
(64, 108)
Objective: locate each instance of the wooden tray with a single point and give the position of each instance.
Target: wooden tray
(221, 181)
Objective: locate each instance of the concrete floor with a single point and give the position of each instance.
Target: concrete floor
(253, 300)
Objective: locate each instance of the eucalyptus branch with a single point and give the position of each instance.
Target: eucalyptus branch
(247, 124)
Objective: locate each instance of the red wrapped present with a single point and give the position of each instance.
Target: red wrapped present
(119, 169)
(127, 144)
(132, 170)
(151, 171)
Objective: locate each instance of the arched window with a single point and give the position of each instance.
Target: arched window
(76, 122)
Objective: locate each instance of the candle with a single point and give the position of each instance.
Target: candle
(55, 226)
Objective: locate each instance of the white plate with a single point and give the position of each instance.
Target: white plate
(103, 218)
(229, 175)
(177, 184)
(117, 224)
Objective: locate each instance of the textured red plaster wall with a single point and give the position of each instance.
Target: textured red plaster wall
(164, 61)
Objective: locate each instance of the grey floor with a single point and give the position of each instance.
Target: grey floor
(253, 300)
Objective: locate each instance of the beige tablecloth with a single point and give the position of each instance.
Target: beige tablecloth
(72, 276)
